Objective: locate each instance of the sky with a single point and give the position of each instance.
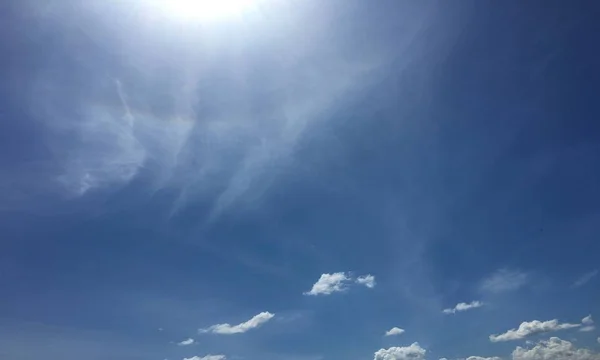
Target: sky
(299, 180)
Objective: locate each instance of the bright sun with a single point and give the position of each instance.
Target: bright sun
(206, 10)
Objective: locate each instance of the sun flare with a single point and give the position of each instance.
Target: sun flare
(205, 10)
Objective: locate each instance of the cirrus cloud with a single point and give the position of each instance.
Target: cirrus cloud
(504, 280)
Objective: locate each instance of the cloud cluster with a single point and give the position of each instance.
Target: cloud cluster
(227, 329)
(394, 331)
(554, 349)
(463, 307)
(528, 328)
(551, 349)
(338, 282)
(411, 352)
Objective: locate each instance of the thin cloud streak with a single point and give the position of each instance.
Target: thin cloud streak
(584, 279)
(463, 307)
(227, 329)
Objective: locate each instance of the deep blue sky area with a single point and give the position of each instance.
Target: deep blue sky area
(299, 180)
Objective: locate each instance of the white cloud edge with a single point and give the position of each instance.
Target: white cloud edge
(227, 329)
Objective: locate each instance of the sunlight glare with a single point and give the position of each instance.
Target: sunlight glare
(206, 10)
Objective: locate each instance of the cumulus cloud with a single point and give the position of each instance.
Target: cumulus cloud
(329, 283)
(227, 329)
(186, 342)
(588, 323)
(207, 357)
(585, 278)
(587, 320)
(412, 352)
(463, 307)
(528, 328)
(554, 349)
(483, 358)
(366, 280)
(394, 331)
(504, 280)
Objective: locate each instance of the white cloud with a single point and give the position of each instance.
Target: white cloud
(463, 307)
(554, 349)
(366, 280)
(504, 280)
(483, 358)
(530, 328)
(412, 352)
(589, 324)
(207, 357)
(227, 329)
(585, 278)
(329, 283)
(186, 342)
(394, 331)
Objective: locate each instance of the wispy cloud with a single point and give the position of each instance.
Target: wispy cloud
(198, 141)
(207, 357)
(394, 331)
(366, 280)
(329, 283)
(585, 278)
(483, 358)
(463, 307)
(504, 280)
(185, 342)
(528, 328)
(227, 329)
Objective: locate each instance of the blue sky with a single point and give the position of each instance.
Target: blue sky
(297, 179)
